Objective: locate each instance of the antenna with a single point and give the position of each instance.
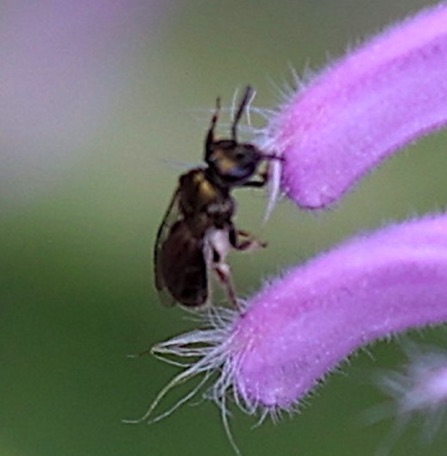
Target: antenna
(244, 101)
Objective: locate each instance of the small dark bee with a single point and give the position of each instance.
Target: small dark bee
(197, 230)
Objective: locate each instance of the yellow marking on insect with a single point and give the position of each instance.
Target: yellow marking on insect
(207, 189)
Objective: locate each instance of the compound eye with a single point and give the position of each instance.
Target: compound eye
(245, 159)
(240, 155)
(247, 154)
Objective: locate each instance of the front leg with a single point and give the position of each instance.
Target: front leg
(263, 178)
(263, 175)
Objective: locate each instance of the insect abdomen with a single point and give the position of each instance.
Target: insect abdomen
(183, 266)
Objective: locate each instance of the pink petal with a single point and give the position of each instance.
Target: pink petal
(299, 327)
(364, 108)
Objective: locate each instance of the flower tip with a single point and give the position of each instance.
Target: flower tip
(362, 109)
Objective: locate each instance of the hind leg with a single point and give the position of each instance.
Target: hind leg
(244, 241)
(219, 244)
(224, 276)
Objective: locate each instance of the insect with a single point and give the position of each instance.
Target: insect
(198, 231)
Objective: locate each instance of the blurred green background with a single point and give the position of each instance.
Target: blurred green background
(103, 105)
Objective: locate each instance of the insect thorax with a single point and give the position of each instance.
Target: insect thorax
(204, 200)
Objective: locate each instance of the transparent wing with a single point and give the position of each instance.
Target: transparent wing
(171, 216)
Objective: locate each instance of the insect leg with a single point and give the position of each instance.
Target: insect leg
(244, 241)
(223, 274)
(263, 178)
(264, 174)
(219, 245)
